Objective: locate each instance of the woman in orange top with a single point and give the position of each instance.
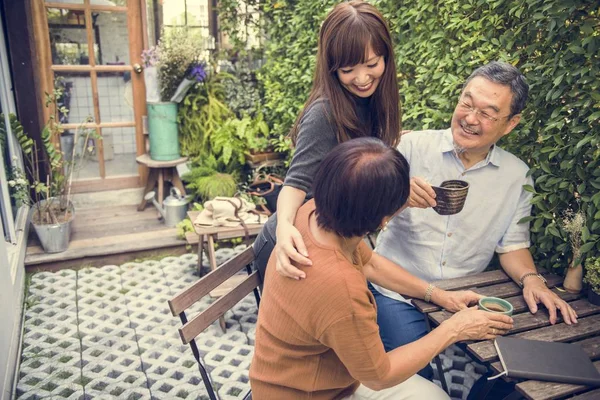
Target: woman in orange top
(318, 338)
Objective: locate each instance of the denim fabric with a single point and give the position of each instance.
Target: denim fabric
(399, 323)
(263, 247)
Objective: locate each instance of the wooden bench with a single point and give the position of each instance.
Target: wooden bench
(190, 329)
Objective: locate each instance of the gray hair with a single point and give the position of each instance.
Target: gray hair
(507, 75)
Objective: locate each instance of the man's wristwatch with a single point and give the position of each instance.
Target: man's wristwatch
(531, 274)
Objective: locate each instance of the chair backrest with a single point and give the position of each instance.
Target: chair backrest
(181, 302)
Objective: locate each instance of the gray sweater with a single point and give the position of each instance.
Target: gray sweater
(316, 138)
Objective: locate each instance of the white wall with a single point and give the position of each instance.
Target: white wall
(11, 300)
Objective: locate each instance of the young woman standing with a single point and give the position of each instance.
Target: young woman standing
(354, 94)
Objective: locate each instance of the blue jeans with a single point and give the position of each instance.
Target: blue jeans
(399, 324)
(263, 247)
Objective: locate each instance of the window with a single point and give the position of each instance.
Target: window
(10, 156)
(194, 15)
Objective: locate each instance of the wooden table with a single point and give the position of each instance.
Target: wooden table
(210, 234)
(528, 326)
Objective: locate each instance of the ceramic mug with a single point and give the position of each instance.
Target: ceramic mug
(496, 305)
(450, 196)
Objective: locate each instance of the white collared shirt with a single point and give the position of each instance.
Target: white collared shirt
(433, 246)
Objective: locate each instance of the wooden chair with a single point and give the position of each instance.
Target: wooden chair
(184, 300)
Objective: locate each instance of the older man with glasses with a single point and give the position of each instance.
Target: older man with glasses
(433, 246)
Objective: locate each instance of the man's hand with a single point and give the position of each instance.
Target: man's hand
(422, 194)
(455, 300)
(535, 291)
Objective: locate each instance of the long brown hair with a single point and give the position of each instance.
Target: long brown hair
(343, 41)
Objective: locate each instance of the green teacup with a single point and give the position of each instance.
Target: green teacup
(496, 305)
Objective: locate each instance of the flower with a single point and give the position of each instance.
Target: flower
(197, 72)
(176, 51)
(12, 183)
(150, 57)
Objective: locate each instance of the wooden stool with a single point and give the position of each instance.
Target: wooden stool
(160, 172)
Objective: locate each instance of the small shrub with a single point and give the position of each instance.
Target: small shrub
(592, 273)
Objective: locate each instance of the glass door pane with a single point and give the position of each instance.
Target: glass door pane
(111, 36)
(76, 97)
(68, 37)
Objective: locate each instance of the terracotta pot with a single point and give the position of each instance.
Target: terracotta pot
(593, 297)
(573, 279)
(260, 157)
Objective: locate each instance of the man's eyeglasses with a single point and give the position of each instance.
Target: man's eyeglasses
(467, 108)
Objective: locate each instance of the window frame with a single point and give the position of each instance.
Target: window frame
(15, 224)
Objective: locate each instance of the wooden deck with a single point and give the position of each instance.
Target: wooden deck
(109, 235)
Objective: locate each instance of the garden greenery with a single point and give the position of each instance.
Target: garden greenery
(438, 44)
(592, 273)
(176, 52)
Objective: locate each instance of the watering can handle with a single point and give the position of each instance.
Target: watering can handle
(176, 193)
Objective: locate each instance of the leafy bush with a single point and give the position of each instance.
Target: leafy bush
(438, 44)
(242, 91)
(207, 180)
(202, 113)
(592, 273)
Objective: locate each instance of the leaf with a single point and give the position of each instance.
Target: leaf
(526, 219)
(587, 247)
(585, 234)
(584, 141)
(553, 231)
(594, 117)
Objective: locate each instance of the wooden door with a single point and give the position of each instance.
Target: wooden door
(91, 49)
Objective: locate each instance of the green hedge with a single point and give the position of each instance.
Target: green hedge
(554, 42)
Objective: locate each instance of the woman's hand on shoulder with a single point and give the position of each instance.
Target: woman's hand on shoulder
(474, 324)
(290, 247)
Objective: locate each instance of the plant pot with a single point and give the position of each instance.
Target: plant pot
(163, 132)
(53, 237)
(261, 157)
(593, 297)
(573, 279)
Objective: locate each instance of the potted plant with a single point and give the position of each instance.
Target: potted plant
(52, 211)
(171, 68)
(574, 224)
(592, 278)
(259, 144)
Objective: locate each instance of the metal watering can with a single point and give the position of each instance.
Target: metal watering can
(175, 206)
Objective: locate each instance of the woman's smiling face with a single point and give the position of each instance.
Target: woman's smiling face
(362, 79)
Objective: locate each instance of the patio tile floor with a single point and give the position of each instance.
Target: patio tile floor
(104, 333)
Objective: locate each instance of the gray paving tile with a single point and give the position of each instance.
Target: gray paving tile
(106, 333)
